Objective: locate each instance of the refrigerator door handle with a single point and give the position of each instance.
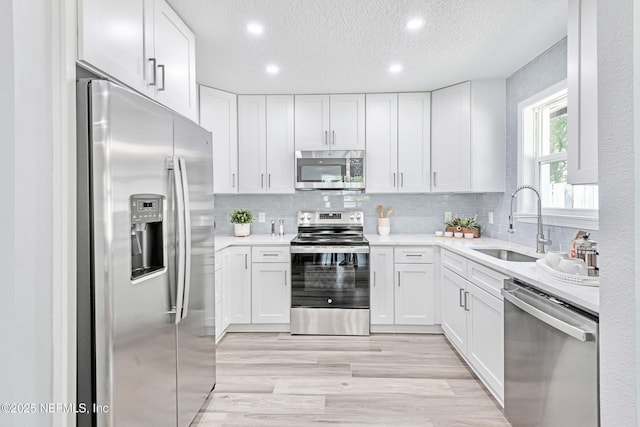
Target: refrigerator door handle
(179, 204)
(186, 206)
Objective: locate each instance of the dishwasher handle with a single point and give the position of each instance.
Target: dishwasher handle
(575, 332)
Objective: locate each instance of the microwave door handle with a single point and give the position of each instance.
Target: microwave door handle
(333, 137)
(187, 240)
(325, 137)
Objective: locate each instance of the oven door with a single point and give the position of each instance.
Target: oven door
(330, 276)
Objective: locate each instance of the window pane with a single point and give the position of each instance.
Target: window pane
(558, 132)
(552, 127)
(556, 193)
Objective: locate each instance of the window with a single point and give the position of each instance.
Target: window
(542, 127)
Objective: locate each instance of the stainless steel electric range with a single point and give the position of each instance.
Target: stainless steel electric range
(330, 274)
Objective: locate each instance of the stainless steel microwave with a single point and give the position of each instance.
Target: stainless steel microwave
(330, 170)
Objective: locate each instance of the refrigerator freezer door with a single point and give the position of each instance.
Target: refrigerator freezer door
(134, 332)
(196, 330)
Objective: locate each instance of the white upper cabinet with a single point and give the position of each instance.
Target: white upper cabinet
(218, 114)
(111, 38)
(173, 48)
(252, 143)
(414, 142)
(582, 95)
(265, 142)
(398, 142)
(468, 137)
(143, 44)
(382, 142)
(330, 122)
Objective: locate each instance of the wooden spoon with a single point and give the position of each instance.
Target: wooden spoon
(389, 212)
(380, 211)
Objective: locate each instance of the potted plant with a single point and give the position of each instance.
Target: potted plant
(464, 225)
(241, 220)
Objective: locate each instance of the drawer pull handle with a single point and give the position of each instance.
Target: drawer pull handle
(271, 254)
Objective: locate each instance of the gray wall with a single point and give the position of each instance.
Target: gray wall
(618, 179)
(412, 213)
(545, 70)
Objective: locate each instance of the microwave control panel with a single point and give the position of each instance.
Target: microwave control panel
(356, 168)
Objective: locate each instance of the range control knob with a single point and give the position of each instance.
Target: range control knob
(302, 217)
(358, 217)
(352, 217)
(308, 217)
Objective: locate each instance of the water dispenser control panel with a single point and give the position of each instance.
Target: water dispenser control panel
(145, 209)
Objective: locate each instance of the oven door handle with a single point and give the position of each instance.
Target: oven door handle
(313, 249)
(550, 320)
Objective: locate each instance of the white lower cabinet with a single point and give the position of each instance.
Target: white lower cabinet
(271, 286)
(402, 293)
(239, 282)
(472, 320)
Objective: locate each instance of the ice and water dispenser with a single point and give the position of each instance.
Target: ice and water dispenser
(146, 234)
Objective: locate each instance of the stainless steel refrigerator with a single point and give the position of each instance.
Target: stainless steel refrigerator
(146, 340)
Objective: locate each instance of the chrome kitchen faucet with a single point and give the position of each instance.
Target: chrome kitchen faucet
(541, 241)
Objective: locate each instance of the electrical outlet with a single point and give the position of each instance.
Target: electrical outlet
(260, 216)
(447, 216)
(490, 219)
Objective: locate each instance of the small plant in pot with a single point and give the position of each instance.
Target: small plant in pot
(464, 225)
(241, 220)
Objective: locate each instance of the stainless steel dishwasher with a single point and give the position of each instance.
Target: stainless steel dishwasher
(550, 362)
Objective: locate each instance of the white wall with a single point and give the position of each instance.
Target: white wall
(617, 180)
(26, 209)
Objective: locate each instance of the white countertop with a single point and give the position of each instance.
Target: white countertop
(586, 297)
(222, 242)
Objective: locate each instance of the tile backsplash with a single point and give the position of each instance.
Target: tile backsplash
(412, 213)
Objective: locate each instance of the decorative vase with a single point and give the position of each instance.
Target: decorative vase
(241, 230)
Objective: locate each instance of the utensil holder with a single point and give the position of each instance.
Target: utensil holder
(384, 226)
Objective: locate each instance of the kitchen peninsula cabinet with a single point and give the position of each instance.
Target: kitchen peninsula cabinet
(144, 44)
(468, 137)
(330, 122)
(265, 144)
(472, 317)
(398, 142)
(218, 114)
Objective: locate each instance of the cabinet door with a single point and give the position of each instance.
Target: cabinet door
(271, 292)
(414, 147)
(252, 144)
(111, 38)
(239, 285)
(485, 347)
(312, 122)
(174, 47)
(382, 143)
(414, 300)
(582, 99)
(280, 144)
(218, 114)
(347, 119)
(450, 138)
(382, 288)
(452, 311)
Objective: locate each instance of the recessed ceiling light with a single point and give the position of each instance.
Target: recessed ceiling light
(395, 68)
(255, 28)
(415, 23)
(272, 69)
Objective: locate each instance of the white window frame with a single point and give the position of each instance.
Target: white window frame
(528, 174)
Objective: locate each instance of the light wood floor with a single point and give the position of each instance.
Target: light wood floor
(275, 379)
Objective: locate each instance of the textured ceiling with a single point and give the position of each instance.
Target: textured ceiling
(332, 46)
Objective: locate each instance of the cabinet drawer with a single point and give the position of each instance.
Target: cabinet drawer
(270, 254)
(485, 278)
(413, 255)
(454, 262)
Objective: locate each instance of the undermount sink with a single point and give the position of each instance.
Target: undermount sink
(506, 255)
